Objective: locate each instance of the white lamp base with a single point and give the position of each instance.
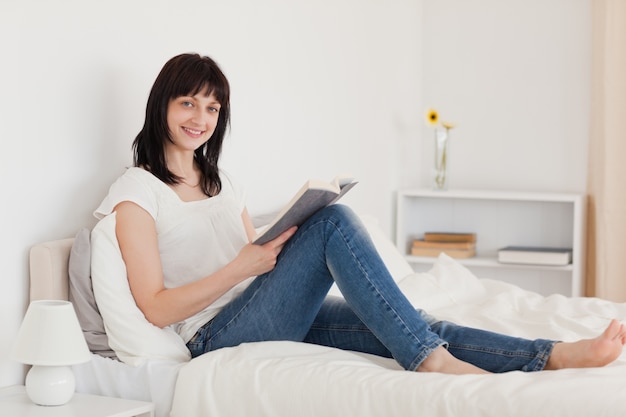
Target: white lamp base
(50, 385)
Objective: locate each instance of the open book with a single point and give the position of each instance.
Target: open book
(313, 196)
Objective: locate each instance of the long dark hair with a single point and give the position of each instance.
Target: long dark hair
(185, 74)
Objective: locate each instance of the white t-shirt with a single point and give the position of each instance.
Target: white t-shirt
(195, 238)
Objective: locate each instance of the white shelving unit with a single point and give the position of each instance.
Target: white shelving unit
(500, 219)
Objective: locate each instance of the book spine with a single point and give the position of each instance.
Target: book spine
(538, 257)
(443, 245)
(434, 252)
(449, 237)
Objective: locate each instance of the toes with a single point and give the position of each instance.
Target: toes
(614, 330)
(621, 331)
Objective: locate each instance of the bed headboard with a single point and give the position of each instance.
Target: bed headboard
(49, 279)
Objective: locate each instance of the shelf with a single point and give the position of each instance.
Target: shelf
(489, 262)
(499, 219)
(493, 195)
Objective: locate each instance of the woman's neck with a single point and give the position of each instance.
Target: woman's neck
(182, 164)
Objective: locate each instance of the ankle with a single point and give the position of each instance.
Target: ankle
(555, 359)
(442, 361)
(434, 362)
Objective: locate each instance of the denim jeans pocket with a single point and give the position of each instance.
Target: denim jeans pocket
(197, 345)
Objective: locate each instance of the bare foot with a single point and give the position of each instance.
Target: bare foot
(442, 361)
(589, 353)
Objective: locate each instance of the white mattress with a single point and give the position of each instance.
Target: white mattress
(295, 379)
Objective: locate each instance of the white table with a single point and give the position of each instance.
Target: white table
(15, 403)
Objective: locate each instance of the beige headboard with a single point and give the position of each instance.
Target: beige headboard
(49, 278)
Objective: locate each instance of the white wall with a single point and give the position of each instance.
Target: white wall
(318, 88)
(515, 75)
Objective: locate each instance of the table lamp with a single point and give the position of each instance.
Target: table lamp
(50, 339)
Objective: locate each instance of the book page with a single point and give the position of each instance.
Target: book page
(313, 196)
(344, 189)
(309, 202)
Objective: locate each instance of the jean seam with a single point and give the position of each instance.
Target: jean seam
(232, 319)
(417, 361)
(371, 285)
(198, 341)
(537, 361)
(495, 351)
(340, 328)
(427, 346)
(542, 357)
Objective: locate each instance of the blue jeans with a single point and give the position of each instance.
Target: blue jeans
(291, 303)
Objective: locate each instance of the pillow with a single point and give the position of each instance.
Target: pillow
(81, 296)
(133, 338)
(446, 283)
(394, 260)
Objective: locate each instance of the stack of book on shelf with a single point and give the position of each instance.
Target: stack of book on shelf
(533, 255)
(455, 245)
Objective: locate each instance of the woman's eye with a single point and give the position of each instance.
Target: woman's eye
(187, 104)
(214, 109)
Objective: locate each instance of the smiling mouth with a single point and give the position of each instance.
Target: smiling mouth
(193, 131)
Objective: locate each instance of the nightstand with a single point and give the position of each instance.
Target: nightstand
(15, 403)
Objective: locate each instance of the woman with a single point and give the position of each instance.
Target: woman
(184, 234)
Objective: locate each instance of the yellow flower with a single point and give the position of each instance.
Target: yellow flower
(432, 117)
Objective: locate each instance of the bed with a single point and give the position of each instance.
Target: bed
(296, 379)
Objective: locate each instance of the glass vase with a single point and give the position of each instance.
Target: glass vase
(442, 137)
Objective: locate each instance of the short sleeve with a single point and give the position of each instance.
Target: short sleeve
(238, 191)
(131, 186)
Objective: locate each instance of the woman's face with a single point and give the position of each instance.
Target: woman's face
(192, 119)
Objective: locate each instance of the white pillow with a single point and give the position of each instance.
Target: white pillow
(133, 338)
(447, 283)
(394, 260)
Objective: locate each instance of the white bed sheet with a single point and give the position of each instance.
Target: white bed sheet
(294, 379)
(277, 379)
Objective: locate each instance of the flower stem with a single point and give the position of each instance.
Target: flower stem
(441, 158)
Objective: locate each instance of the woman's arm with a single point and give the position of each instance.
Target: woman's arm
(247, 223)
(137, 237)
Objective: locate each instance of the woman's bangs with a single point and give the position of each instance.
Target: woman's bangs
(207, 82)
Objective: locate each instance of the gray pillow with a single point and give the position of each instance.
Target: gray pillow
(81, 295)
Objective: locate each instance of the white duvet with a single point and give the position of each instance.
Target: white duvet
(297, 380)
(286, 379)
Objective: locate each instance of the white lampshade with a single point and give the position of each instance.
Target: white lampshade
(50, 339)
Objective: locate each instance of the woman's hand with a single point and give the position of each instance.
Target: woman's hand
(255, 260)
